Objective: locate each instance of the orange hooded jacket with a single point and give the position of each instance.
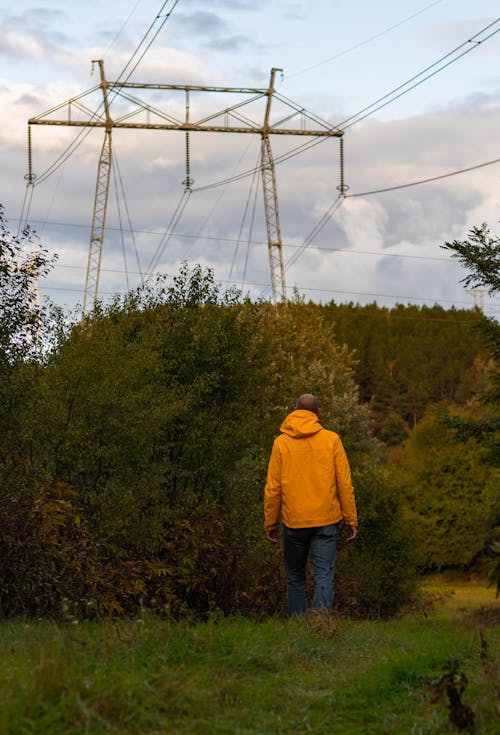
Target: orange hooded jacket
(308, 476)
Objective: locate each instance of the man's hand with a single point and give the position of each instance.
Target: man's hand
(350, 532)
(272, 536)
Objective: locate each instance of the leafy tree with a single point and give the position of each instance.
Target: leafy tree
(24, 330)
(302, 354)
(140, 408)
(450, 495)
(22, 263)
(480, 254)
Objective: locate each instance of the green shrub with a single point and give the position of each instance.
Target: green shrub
(159, 411)
(378, 568)
(450, 495)
(44, 549)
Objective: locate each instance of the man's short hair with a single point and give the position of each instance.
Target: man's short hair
(307, 402)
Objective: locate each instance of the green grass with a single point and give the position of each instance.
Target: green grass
(241, 677)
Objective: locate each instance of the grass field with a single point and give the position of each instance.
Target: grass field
(239, 677)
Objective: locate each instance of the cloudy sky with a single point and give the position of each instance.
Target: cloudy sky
(350, 63)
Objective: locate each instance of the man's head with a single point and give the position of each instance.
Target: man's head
(308, 402)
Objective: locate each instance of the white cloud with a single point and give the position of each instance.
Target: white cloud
(364, 222)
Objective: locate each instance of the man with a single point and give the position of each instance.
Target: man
(310, 481)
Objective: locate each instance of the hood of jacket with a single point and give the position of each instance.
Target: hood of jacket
(300, 424)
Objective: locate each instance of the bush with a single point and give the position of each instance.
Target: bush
(159, 412)
(450, 496)
(45, 553)
(378, 568)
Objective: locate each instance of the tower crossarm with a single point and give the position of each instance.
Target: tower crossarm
(234, 122)
(187, 126)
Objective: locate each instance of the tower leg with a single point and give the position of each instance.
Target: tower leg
(98, 224)
(277, 267)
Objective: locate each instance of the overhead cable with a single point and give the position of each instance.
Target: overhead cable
(167, 235)
(122, 27)
(363, 43)
(424, 181)
(310, 237)
(305, 288)
(165, 17)
(383, 101)
(243, 220)
(130, 228)
(85, 131)
(315, 231)
(249, 240)
(122, 235)
(322, 222)
(392, 96)
(232, 240)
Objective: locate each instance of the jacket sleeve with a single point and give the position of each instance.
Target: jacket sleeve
(344, 484)
(272, 490)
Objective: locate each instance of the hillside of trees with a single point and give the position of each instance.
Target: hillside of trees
(409, 357)
(134, 445)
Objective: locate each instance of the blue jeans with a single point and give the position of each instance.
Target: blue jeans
(321, 543)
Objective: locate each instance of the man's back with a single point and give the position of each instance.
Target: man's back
(308, 476)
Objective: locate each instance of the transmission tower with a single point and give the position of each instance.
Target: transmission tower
(230, 120)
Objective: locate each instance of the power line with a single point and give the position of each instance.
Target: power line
(306, 289)
(315, 231)
(122, 236)
(426, 181)
(375, 106)
(221, 193)
(249, 240)
(243, 219)
(233, 240)
(363, 43)
(384, 295)
(302, 288)
(333, 207)
(327, 216)
(85, 131)
(166, 16)
(169, 231)
(130, 229)
(378, 104)
(122, 27)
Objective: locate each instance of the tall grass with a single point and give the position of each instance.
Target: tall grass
(237, 677)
